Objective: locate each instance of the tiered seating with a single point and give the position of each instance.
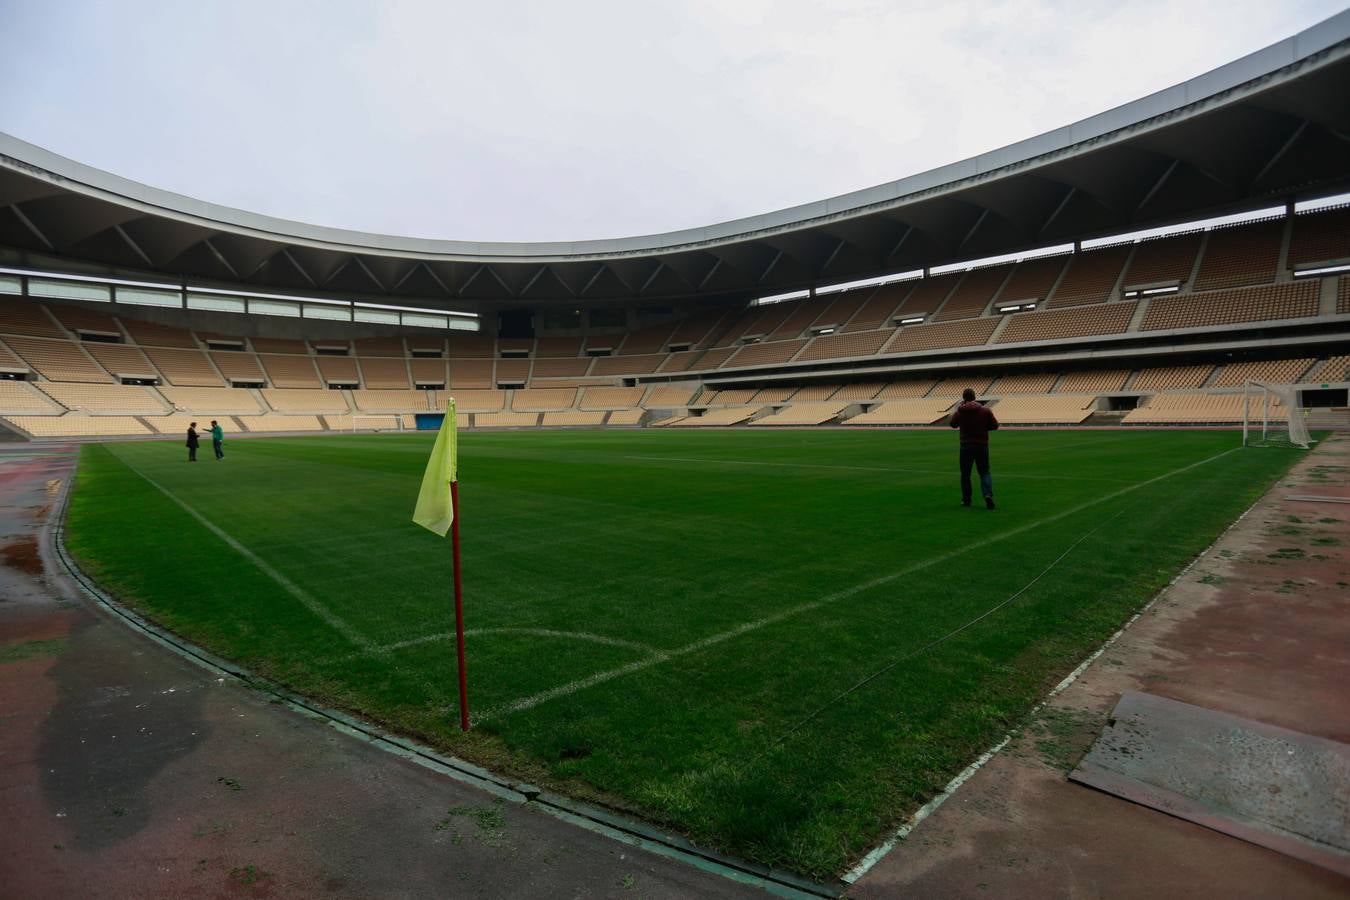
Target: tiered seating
(155, 335)
(106, 399)
(424, 343)
(20, 398)
(952, 387)
(472, 401)
(1337, 368)
(877, 311)
(800, 315)
(379, 346)
(865, 390)
(392, 401)
(274, 422)
(842, 346)
(290, 371)
(11, 363)
(943, 335)
(773, 394)
(384, 374)
(1062, 324)
(902, 390)
(366, 423)
(305, 400)
(338, 369)
(1343, 294)
(557, 347)
(697, 329)
(1054, 409)
(215, 401)
(1165, 259)
(661, 397)
(71, 425)
(561, 367)
(471, 373)
(928, 295)
(188, 368)
(1241, 254)
(682, 360)
(1274, 371)
(515, 346)
(465, 346)
(427, 371)
(772, 317)
(626, 417)
(716, 417)
(280, 345)
(58, 360)
(121, 360)
(513, 371)
(600, 342)
(710, 359)
(733, 397)
(505, 420)
(538, 399)
(78, 318)
(574, 417)
(1171, 378)
(1023, 383)
(920, 411)
(973, 294)
(803, 414)
(1093, 382)
(1272, 301)
(814, 393)
(611, 397)
(842, 308)
(1181, 409)
(627, 365)
(765, 354)
(1320, 237)
(1091, 276)
(668, 420)
(652, 339)
(28, 318)
(1032, 279)
(236, 366)
(179, 422)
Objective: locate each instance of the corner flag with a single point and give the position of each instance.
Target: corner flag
(434, 510)
(437, 510)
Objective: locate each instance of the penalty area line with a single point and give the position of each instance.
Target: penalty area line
(703, 643)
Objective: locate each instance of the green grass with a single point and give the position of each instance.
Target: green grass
(746, 579)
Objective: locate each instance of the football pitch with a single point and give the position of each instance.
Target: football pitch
(780, 643)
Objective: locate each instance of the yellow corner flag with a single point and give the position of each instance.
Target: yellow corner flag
(434, 511)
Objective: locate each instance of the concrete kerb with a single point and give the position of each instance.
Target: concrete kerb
(617, 827)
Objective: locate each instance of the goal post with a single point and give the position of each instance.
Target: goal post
(391, 422)
(1272, 417)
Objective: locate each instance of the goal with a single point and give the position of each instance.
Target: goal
(377, 423)
(1272, 417)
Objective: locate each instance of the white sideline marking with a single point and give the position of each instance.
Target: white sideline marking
(299, 593)
(537, 632)
(600, 677)
(803, 465)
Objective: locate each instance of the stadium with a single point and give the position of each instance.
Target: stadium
(721, 600)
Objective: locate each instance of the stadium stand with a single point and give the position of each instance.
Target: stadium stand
(1092, 382)
(913, 411)
(548, 367)
(1062, 324)
(574, 418)
(1032, 279)
(1054, 409)
(900, 390)
(512, 371)
(280, 345)
(558, 347)
(178, 423)
(1188, 409)
(803, 414)
(472, 400)
(188, 368)
(384, 374)
(953, 386)
(305, 400)
(646, 340)
(943, 335)
(1273, 301)
(817, 392)
(610, 398)
(1171, 378)
(765, 354)
(1023, 383)
(682, 360)
(1163, 260)
(928, 295)
(668, 420)
(24, 317)
(627, 365)
(121, 360)
(505, 420)
(11, 363)
(391, 401)
(717, 417)
(472, 372)
(1343, 295)
(214, 400)
(20, 398)
(973, 293)
(1238, 255)
(877, 311)
(734, 397)
(709, 359)
(1322, 236)
(661, 397)
(237, 366)
(626, 417)
(71, 425)
(427, 371)
(773, 395)
(82, 319)
(338, 369)
(1337, 368)
(1274, 371)
(365, 423)
(290, 371)
(379, 346)
(1091, 276)
(540, 399)
(842, 308)
(800, 315)
(58, 360)
(842, 346)
(106, 399)
(424, 343)
(272, 422)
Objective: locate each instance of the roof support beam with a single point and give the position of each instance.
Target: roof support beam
(135, 248)
(371, 275)
(769, 268)
(717, 264)
(220, 257)
(650, 278)
(833, 253)
(28, 223)
(984, 214)
(1157, 185)
(1279, 154)
(533, 278)
(909, 229)
(1064, 201)
(436, 278)
(285, 251)
(590, 281)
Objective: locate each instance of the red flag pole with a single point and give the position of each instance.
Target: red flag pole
(459, 608)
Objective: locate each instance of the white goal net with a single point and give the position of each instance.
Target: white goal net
(1272, 417)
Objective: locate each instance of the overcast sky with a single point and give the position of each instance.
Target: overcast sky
(573, 119)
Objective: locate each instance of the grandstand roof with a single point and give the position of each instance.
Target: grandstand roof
(1272, 126)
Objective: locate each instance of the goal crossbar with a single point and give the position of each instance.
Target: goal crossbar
(1272, 417)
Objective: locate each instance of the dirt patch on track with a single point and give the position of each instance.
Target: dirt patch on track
(22, 554)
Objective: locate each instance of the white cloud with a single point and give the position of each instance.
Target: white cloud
(549, 121)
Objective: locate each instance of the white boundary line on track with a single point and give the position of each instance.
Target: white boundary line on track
(308, 600)
(802, 465)
(879, 852)
(538, 632)
(600, 677)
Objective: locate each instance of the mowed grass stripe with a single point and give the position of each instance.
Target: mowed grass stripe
(565, 535)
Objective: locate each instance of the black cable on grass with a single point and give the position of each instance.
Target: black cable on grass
(933, 643)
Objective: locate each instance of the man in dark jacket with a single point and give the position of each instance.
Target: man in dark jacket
(192, 442)
(975, 421)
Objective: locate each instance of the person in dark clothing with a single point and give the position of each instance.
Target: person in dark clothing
(975, 421)
(217, 439)
(192, 442)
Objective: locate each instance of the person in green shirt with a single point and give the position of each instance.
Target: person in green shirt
(217, 439)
